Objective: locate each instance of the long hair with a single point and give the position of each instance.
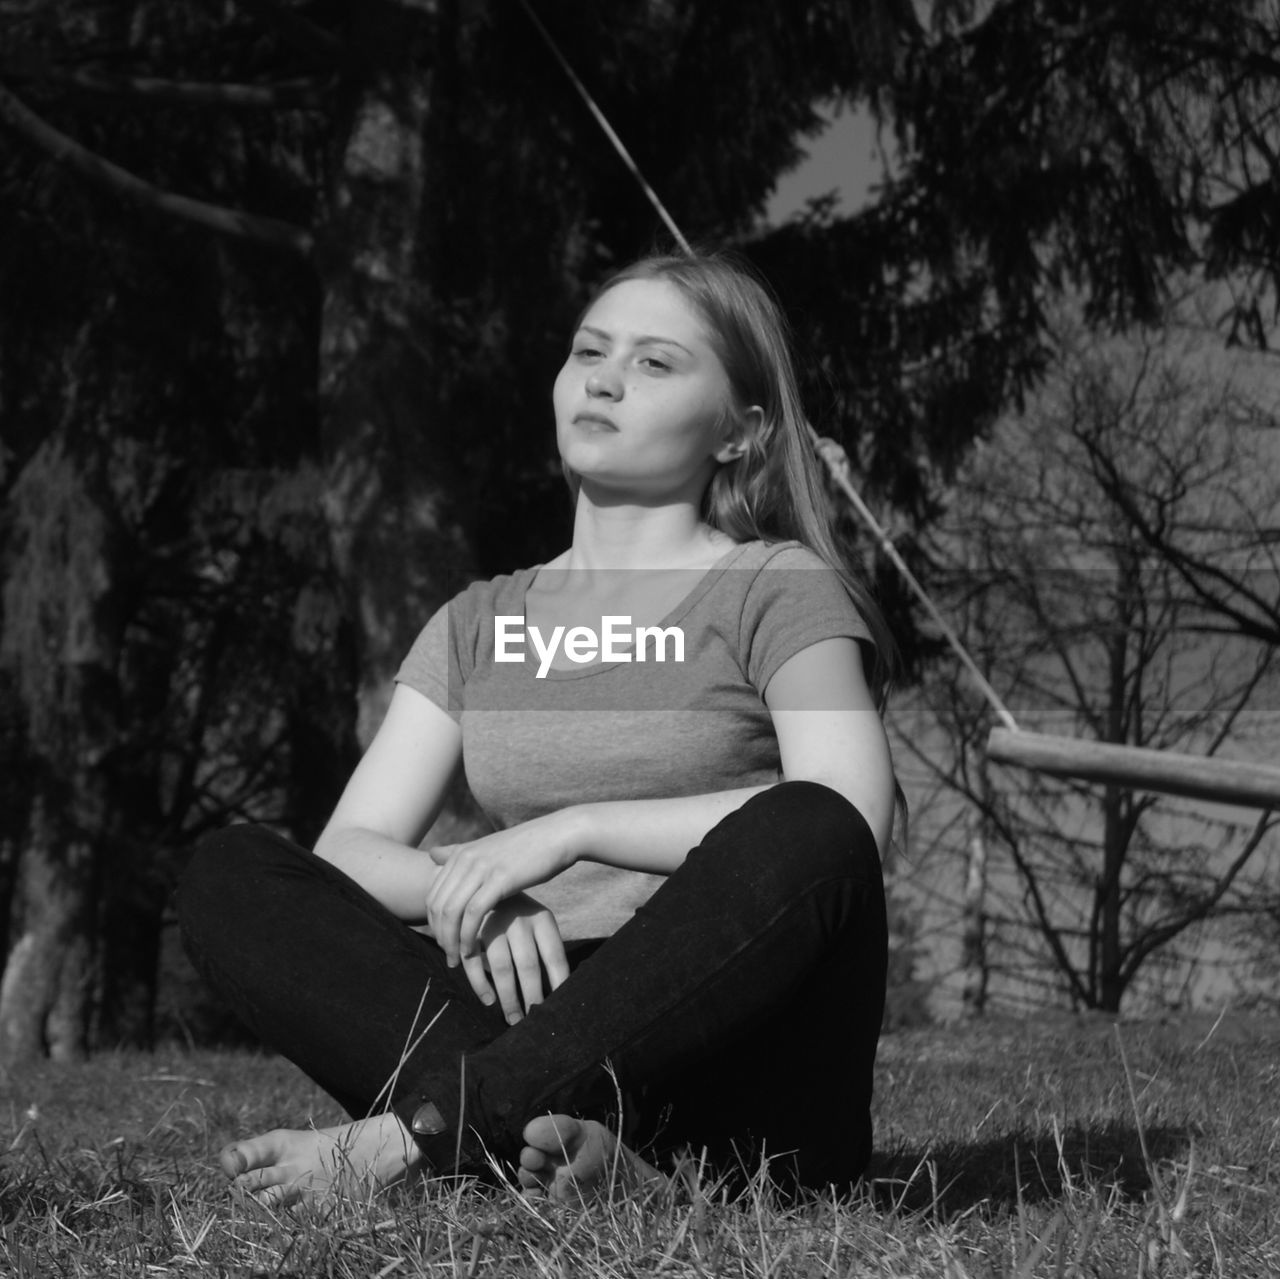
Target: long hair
(774, 491)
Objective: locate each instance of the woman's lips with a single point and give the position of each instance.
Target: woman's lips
(597, 420)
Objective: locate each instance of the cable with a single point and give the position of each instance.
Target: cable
(831, 451)
(833, 454)
(609, 132)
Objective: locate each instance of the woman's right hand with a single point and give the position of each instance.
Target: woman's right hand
(518, 940)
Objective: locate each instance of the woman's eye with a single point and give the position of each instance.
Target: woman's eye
(653, 363)
(585, 353)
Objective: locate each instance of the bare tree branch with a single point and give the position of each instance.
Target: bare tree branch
(1201, 906)
(299, 94)
(111, 177)
(1200, 576)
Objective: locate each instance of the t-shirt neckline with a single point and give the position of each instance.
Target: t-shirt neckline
(705, 582)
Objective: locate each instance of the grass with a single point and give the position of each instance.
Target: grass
(1056, 1147)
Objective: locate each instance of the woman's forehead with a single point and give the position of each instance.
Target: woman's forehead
(647, 308)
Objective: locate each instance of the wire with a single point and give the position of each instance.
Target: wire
(618, 145)
(831, 451)
(837, 461)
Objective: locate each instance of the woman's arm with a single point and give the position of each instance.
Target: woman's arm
(828, 731)
(394, 795)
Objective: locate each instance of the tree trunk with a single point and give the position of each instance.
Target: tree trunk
(47, 987)
(1109, 981)
(61, 644)
(1117, 829)
(974, 962)
(15, 800)
(397, 542)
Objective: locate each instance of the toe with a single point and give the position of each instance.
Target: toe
(555, 1135)
(258, 1179)
(255, 1152)
(279, 1196)
(534, 1160)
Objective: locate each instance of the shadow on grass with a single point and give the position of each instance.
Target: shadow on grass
(952, 1177)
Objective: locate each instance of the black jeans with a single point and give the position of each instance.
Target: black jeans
(738, 1011)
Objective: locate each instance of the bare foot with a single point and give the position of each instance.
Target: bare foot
(287, 1165)
(569, 1158)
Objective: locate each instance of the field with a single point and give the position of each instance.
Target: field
(1054, 1147)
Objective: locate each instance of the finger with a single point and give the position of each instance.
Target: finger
(435, 924)
(431, 902)
(479, 979)
(443, 929)
(546, 933)
(444, 883)
(441, 854)
(504, 979)
(482, 898)
(451, 899)
(524, 954)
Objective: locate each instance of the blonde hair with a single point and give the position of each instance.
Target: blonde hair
(775, 491)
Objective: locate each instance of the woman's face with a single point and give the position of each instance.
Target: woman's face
(643, 405)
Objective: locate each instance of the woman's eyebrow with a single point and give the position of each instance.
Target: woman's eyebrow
(642, 339)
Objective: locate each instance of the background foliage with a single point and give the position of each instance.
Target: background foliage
(283, 285)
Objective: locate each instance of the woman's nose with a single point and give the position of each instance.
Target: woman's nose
(603, 380)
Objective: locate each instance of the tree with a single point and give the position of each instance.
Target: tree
(1108, 147)
(434, 201)
(156, 409)
(1084, 631)
(1233, 581)
(350, 131)
(158, 575)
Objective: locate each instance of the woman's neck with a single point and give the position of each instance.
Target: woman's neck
(652, 537)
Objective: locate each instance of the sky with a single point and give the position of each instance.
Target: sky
(845, 158)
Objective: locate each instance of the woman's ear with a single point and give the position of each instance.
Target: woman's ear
(739, 434)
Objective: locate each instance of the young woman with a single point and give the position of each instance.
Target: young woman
(676, 932)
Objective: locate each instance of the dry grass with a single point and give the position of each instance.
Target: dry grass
(1058, 1147)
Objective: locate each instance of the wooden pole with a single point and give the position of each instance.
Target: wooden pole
(1222, 781)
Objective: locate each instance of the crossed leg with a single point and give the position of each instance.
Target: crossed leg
(740, 936)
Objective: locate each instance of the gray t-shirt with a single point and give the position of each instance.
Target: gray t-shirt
(536, 739)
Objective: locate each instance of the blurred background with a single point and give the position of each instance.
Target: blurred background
(283, 288)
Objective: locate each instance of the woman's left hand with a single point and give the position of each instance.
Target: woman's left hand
(476, 876)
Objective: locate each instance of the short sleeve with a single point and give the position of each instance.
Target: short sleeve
(431, 666)
(796, 600)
